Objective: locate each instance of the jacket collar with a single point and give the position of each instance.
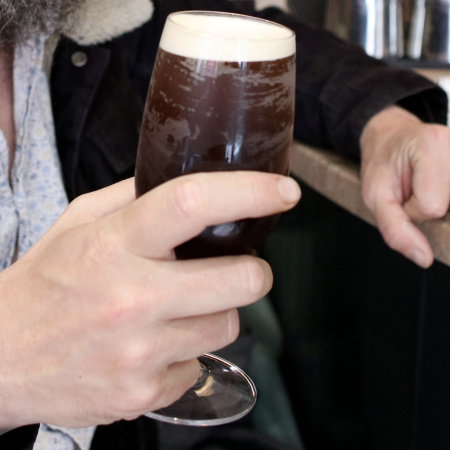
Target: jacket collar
(98, 21)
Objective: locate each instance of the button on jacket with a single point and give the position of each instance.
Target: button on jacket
(98, 95)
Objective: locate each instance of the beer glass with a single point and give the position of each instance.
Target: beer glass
(221, 98)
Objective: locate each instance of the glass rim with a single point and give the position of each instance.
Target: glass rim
(219, 14)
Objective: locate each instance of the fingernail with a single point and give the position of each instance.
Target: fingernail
(289, 190)
(418, 257)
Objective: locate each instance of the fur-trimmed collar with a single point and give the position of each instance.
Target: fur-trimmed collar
(98, 21)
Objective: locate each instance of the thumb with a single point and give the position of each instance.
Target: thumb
(430, 178)
(90, 207)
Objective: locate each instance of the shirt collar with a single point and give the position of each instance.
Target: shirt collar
(98, 21)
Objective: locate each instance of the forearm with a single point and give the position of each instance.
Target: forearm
(340, 89)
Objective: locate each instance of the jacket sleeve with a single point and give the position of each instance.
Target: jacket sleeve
(20, 438)
(340, 88)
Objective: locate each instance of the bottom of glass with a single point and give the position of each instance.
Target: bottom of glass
(223, 394)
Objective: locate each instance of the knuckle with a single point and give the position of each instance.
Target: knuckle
(433, 210)
(79, 203)
(83, 207)
(392, 235)
(103, 249)
(190, 378)
(79, 207)
(253, 278)
(187, 200)
(440, 135)
(161, 394)
(233, 325)
(253, 190)
(137, 400)
(137, 394)
(123, 306)
(368, 195)
(221, 330)
(168, 393)
(134, 359)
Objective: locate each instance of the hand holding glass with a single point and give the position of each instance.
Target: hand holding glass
(221, 98)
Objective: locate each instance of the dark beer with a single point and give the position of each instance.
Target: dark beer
(208, 115)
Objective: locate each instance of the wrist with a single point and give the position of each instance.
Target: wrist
(10, 416)
(381, 128)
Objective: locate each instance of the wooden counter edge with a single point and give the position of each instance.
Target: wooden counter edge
(338, 179)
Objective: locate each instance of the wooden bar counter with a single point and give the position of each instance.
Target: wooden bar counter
(338, 179)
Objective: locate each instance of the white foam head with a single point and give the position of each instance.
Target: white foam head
(226, 37)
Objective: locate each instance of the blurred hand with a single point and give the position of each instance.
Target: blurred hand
(99, 322)
(405, 178)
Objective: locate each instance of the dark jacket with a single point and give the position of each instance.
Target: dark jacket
(98, 109)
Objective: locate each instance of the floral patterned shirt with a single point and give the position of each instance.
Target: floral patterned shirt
(33, 197)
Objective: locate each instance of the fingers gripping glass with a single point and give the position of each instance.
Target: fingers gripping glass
(221, 98)
(222, 394)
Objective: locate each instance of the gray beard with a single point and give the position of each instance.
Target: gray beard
(21, 20)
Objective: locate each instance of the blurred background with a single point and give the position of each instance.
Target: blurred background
(363, 333)
(413, 32)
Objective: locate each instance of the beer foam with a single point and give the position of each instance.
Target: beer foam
(226, 37)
